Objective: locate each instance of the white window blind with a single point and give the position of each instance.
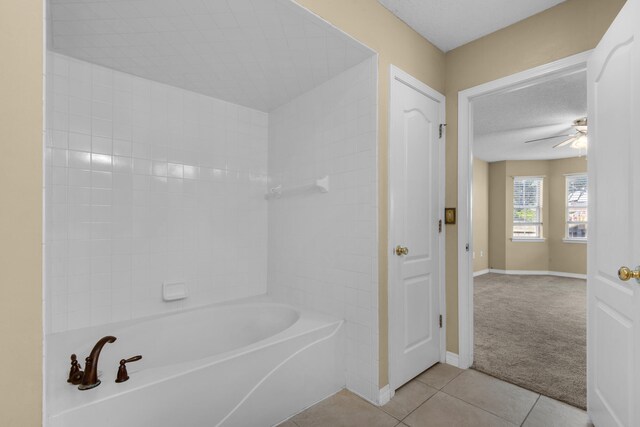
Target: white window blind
(577, 207)
(527, 207)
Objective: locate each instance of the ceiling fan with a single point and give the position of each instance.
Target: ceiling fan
(577, 139)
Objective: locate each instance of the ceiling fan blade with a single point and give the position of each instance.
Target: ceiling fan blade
(566, 142)
(549, 137)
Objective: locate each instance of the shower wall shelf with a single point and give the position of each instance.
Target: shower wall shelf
(319, 185)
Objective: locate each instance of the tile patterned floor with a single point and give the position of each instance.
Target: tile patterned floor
(449, 397)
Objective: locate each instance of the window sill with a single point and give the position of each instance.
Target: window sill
(573, 241)
(536, 240)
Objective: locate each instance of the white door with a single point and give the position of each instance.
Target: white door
(613, 345)
(415, 169)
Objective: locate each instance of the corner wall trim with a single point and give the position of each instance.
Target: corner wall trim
(481, 272)
(385, 395)
(539, 273)
(452, 359)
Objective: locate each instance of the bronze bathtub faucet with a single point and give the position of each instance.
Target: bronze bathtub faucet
(89, 378)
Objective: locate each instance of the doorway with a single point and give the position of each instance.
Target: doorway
(529, 212)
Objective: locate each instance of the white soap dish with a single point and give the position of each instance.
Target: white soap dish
(174, 291)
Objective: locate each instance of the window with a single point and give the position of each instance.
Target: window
(577, 202)
(527, 208)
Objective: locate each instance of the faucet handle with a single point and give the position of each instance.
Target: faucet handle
(122, 370)
(75, 373)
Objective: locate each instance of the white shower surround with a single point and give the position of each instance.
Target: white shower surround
(135, 199)
(323, 247)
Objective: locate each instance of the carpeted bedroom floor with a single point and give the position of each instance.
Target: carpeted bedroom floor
(531, 331)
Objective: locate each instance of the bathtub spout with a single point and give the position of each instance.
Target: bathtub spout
(90, 378)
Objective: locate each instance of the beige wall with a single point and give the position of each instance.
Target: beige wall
(537, 40)
(397, 44)
(21, 213)
(552, 254)
(480, 215)
(567, 257)
(497, 215)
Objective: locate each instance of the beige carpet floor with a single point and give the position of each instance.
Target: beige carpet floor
(531, 331)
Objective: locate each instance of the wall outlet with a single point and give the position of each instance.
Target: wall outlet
(481, 254)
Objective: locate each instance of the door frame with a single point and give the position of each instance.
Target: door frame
(552, 70)
(396, 73)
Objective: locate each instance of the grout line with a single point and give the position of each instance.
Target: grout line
(429, 398)
(446, 384)
(457, 375)
(530, 410)
(485, 410)
(391, 415)
(430, 386)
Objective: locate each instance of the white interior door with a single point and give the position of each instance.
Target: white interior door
(613, 346)
(415, 210)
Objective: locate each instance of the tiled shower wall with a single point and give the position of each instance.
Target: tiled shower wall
(323, 246)
(145, 184)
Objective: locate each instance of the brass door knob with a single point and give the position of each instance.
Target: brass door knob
(402, 250)
(625, 274)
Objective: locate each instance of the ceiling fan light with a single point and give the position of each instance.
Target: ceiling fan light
(580, 142)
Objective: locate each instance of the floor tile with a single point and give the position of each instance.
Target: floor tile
(439, 375)
(498, 397)
(443, 410)
(551, 413)
(344, 409)
(408, 398)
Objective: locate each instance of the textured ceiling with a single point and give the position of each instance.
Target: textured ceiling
(257, 53)
(452, 23)
(504, 121)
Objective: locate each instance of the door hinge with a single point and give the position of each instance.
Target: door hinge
(441, 320)
(440, 226)
(441, 129)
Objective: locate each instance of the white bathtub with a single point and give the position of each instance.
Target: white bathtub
(249, 363)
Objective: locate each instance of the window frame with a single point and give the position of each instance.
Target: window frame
(539, 237)
(567, 238)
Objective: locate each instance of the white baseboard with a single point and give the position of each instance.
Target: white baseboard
(539, 273)
(570, 275)
(385, 395)
(452, 359)
(481, 272)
